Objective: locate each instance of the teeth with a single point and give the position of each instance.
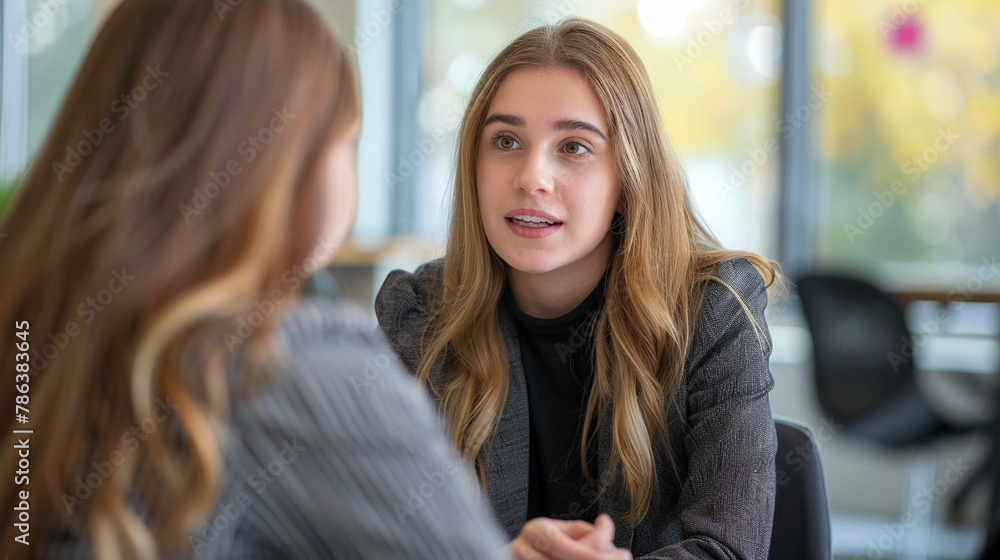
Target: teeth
(532, 221)
(531, 224)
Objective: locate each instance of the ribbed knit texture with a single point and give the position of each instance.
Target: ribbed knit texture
(342, 458)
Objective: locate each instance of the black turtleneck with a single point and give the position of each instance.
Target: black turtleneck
(557, 355)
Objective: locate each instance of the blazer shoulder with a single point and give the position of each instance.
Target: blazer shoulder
(734, 275)
(403, 306)
(732, 312)
(403, 291)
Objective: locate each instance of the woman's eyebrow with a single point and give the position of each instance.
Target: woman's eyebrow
(578, 125)
(566, 124)
(505, 119)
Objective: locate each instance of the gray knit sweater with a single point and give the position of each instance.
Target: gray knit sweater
(343, 458)
(720, 503)
(346, 459)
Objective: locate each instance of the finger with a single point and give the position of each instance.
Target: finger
(520, 550)
(560, 546)
(605, 526)
(576, 529)
(602, 535)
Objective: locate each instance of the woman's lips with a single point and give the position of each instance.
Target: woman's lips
(531, 229)
(531, 223)
(531, 214)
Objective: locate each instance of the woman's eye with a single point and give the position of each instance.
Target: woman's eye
(575, 149)
(505, 143)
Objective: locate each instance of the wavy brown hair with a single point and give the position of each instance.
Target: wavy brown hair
(133, 271)
(656, 278)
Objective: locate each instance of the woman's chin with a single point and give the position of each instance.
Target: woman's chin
(531, 265)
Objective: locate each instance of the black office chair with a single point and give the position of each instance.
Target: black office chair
(863, 362)
(864, 369)
(801, 529)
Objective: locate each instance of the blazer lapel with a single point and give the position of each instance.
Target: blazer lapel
(507, 461)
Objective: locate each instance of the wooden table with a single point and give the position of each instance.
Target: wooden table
(907, 297)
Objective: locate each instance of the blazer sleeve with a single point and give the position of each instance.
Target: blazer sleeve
(727, 500)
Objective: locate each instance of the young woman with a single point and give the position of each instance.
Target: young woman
(591, 345)
(177, 396)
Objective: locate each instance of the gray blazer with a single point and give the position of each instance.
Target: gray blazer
(720, 502)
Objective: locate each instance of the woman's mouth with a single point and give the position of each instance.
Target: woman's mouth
(532, 221)
(531, 226)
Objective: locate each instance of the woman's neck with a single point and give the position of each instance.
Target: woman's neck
(553, 294)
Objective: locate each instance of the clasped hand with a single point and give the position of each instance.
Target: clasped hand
(552, 539)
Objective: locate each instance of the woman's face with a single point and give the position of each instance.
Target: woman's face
(545, 173)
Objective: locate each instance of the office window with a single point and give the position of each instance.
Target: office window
(714, 65)
(909, 145)
(43, 44)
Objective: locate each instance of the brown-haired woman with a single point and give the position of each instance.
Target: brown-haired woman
(593, 347)
(178, 396)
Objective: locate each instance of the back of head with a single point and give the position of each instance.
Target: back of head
(184, 177)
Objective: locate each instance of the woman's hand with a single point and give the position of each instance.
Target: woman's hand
(551, 539)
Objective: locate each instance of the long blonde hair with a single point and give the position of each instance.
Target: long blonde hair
(184, 176)
(656, 278)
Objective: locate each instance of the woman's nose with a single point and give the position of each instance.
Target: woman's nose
(536, 174)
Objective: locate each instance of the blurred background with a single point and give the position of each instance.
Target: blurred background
(852, 140)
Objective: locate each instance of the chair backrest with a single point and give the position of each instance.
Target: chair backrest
(801, 529)
(862, 351)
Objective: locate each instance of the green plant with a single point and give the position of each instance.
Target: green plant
(7, 191)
